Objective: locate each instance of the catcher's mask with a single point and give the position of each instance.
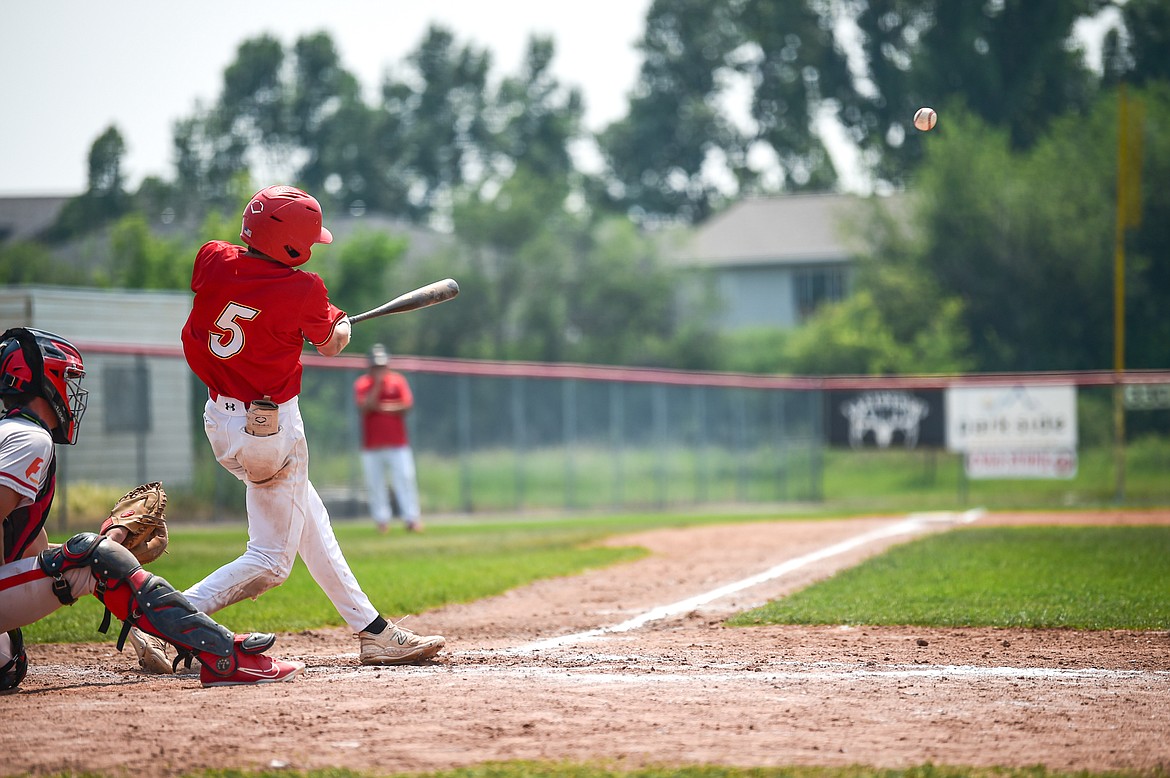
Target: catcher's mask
(36, 363)
(283, 223)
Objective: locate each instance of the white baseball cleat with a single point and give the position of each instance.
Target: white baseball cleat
(152, 652)
(397, 645)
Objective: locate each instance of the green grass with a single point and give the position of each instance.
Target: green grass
(450, 563)
(935, 479)
(584, 479)
(1093, 578)
(1071, 577)
(895, 479)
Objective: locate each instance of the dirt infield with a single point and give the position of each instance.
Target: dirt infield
(630, 666)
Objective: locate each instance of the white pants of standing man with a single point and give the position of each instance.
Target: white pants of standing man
(285, 517)
(398, 461)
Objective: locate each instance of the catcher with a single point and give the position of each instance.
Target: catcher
(40, 385)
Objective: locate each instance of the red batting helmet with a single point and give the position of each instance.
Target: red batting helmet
(283, 223)
(40, 364)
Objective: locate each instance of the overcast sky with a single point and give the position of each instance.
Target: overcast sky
(70, 69)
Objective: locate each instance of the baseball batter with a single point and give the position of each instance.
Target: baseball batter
(254, 308)
(40, 383)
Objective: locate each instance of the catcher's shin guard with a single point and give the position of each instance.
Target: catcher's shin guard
(137, 597)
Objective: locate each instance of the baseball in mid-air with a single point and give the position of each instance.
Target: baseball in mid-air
(925, 118)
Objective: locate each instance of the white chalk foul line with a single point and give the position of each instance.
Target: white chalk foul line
(816, 673)
(905, 527)
(649, 672)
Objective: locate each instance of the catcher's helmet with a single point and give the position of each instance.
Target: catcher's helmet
(283, 223)
(36, 363)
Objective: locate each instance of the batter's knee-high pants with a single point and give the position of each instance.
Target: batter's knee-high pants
(285, 516)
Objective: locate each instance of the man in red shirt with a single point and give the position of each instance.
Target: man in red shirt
(383, 397)
(254, 308)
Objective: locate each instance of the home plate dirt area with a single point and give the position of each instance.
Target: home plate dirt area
(630, 666)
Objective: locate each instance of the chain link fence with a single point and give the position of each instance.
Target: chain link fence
(507, 437)
(517, 437)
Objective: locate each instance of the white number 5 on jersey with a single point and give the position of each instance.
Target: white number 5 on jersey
(231, 341)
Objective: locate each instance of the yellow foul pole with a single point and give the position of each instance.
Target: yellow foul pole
(1129, 214)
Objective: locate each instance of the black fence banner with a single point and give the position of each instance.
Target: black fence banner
(886, 418)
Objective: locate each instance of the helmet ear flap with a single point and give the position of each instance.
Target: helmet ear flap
(21, 362)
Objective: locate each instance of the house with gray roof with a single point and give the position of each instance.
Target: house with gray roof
(23, 218)
(764, 261)
(772, 261)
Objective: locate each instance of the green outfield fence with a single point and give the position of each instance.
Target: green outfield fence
(516, 437)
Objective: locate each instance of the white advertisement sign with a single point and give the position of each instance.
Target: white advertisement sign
(1011, 418)
(1024, 463)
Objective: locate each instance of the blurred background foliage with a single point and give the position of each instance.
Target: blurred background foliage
(1004, 262)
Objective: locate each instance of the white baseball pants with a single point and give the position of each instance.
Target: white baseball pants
(26, 592)
(398, 461)
(285, 516)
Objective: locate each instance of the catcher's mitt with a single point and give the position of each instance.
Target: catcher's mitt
(142, 513)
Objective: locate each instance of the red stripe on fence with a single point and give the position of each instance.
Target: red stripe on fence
(498, 369)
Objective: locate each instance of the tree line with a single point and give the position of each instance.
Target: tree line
(1004, 261)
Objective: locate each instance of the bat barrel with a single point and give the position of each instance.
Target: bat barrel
(437, 292)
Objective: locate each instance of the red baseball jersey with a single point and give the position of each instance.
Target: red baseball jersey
(250, 320)
(381, 429)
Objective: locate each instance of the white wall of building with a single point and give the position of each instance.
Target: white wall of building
(137, 426)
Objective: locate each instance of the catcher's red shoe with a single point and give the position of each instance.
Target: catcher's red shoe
(247, 664)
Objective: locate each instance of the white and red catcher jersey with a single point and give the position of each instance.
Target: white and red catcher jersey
(250, 320)
(26, 467)
(26, 451)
